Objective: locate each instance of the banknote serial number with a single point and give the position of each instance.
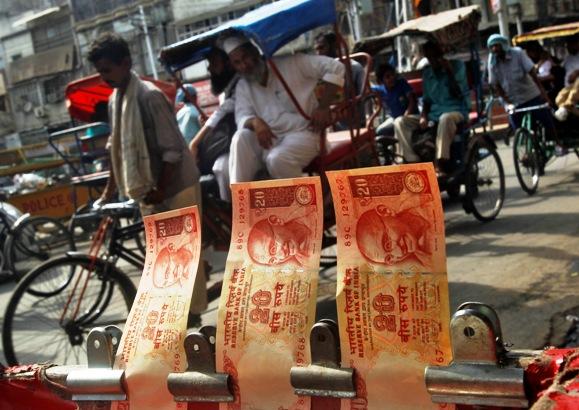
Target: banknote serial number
(344, 208)
(343, 198)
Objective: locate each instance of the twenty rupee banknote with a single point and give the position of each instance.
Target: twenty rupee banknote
(267, 305)
(152, 343)
(392, 291)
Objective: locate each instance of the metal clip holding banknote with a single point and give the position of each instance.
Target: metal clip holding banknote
(324, 377)
(99, 381)
(200, 382)
(482, 372)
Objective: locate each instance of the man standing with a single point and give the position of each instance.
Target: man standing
(445, 101)
(150, 160)
(271, 131)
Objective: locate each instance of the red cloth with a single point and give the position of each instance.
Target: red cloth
(21, 388)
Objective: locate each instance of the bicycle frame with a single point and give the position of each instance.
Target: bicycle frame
(546, 149)
(117, 250)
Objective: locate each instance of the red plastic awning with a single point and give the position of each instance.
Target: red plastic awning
(83, 95)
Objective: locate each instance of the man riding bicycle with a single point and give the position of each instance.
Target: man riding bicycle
(512, 75)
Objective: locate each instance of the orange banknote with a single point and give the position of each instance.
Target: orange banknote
(392, 288)
(268, 301)
(152, 343)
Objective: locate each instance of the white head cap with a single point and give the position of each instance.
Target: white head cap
(232, 42)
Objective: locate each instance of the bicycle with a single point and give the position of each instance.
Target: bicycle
(69, 295)
(30, 240)
(65, 297)
(533, 150)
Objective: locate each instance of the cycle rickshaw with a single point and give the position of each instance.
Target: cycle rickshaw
(270, 28)
(475, 161)
(533, 149)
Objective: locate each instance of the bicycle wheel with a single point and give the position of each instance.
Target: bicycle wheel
(34, 241)
(527, 160)
(33, 331)
(485, 182)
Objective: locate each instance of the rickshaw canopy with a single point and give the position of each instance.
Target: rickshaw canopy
(561, 30)
(270, 27)
(83, 95)
(451, 29)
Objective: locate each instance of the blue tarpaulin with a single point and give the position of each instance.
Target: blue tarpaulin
(270, 27)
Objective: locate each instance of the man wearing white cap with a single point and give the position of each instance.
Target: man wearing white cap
(270, 130)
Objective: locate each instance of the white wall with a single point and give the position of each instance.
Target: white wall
(185, 9)
(19, 44)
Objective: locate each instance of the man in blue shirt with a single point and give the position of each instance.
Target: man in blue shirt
(446, 101)
(397, 97)
(187, 116)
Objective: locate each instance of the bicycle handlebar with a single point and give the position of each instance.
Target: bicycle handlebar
(114, 209)
(513, 110)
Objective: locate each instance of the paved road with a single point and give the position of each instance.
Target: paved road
(525, 264)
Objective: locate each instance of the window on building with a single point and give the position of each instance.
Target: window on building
(54, 88)
(25, 96)
(198, 27)
(89, 9)
(3, 103)
(54, 34)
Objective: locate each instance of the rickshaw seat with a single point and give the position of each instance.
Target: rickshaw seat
(339, 148)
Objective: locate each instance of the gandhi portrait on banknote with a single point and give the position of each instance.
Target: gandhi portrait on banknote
(273, 241)
(386, 237)
(172, 266)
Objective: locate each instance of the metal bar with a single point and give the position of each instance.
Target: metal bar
(148, 42)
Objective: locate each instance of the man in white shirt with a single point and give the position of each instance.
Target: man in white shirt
(270, 130)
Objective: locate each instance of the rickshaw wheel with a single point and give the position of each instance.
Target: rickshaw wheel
(527, 160)
(485, 181)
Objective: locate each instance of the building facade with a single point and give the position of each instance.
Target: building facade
(39, 58)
